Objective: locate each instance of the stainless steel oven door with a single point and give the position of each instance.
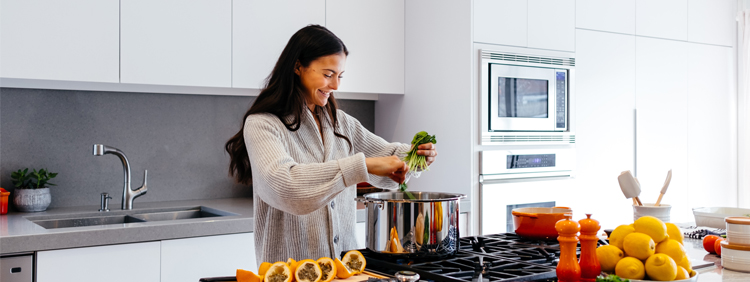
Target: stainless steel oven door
(525, 98)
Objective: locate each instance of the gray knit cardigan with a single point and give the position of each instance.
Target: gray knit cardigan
(304, 186)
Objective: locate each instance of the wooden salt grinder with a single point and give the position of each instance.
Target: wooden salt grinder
(590, 267)
(568, 269)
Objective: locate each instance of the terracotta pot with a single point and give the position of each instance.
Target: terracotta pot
(32, 200)
(538, 223)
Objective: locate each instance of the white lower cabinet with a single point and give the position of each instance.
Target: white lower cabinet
(170, 260)
(114, 263)
(194, 258)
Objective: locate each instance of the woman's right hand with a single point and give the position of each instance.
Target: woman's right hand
(391, 166)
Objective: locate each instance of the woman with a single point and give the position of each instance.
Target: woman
(304, 157)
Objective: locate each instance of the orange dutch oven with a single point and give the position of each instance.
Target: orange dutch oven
(538, 223)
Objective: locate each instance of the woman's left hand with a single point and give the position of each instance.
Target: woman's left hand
(429, 151)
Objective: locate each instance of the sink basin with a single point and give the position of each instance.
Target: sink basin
(87, 221)
(132, 216)
(199, 212)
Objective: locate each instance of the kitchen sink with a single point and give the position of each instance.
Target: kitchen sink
(199, 212)
(133, 216)
(86, 221)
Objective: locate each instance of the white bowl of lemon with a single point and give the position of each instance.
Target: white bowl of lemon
(647, 250)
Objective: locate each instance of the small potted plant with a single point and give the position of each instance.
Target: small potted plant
(32, 191)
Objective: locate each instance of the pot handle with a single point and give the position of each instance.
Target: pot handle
(531, 215)
(377, 203)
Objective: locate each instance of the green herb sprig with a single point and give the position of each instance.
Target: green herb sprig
(611, 278)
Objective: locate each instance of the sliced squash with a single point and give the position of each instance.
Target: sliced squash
(328, 266)
(278, 272)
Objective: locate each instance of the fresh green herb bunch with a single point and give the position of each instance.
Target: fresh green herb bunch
(33, 180)
(611, 278)
(414, 161)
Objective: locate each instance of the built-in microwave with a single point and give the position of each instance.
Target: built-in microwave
(526, 96)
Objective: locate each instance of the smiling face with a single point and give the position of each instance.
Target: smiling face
(320, 78)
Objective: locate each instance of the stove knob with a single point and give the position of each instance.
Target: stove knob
(407, 276)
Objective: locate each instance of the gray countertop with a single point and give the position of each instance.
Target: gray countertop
(18, 234)
(713, 273)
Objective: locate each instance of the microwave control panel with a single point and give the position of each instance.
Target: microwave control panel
(560, 103)
(528, 161)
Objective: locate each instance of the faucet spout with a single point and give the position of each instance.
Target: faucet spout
(128, 195)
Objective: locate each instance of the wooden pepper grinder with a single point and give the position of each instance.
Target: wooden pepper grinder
(568, 269)
(590, 267)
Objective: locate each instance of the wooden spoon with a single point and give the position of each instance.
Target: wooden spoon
(664, 189)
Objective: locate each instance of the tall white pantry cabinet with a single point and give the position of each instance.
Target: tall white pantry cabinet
(656, 91)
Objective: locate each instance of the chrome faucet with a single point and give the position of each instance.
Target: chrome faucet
(128, 195)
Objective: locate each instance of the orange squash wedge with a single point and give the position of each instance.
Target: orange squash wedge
(278, 272)
(342, 272)
(292, 266)
(328, 266)
(263, 268)
(247, 276)
(354, 261)
(308, 271)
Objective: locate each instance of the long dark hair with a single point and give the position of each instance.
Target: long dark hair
(283, 95)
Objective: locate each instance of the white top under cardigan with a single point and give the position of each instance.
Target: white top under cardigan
(304, 186)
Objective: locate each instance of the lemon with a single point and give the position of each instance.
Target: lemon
(630, 268)
(681, 273)
(674, 232)
(671, 248)
(618, 235)
(685, 263)
(661, 267)
(608, 257)
(651, 226)
(639, 245)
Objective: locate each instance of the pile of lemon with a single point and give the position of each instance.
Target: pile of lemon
(648, 249)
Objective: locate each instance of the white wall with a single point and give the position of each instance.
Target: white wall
(438, 93)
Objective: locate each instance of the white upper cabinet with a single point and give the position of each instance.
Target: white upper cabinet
(606, 15)
(76, 40)
(605, 103)
(373, 32)
(260, 31)
(540, 24)
(113, 263)
(552, 24)
(177, 42)
(501, 22)
(662, 19)
(712, 127)
(712, 21)
(193, 258)
(662, 121)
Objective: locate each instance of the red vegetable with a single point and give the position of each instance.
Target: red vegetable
(708, 243)
(717, 246)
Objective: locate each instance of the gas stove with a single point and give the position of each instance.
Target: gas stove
(505, 257)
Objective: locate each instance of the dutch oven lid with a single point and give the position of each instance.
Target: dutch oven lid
(417, 196)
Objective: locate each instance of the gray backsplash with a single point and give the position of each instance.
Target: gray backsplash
(178, 138)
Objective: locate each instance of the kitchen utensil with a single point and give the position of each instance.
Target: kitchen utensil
(538, 223)
(395, 213)
(714, 216)
(630, 186)
(661, 212)
(738, 230)
(664, 189)
(735, 257)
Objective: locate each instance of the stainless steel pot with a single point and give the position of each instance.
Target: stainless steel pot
(424, 225)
